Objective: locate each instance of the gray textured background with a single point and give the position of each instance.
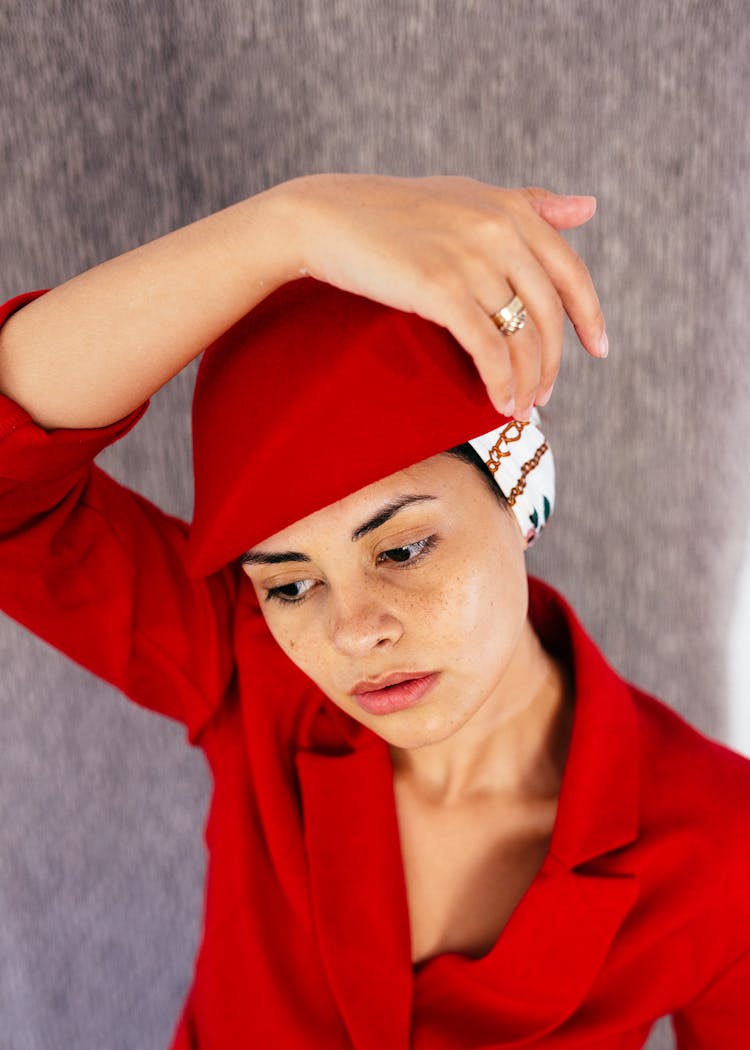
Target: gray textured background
(122, 121)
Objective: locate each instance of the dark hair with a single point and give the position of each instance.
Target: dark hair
(469, 455)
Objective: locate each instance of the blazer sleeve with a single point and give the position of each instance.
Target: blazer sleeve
(96, 570)
(719, 1016)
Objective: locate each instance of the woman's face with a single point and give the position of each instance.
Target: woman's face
(419, 576)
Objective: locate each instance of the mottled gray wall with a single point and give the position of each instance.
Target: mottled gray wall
(121, 121)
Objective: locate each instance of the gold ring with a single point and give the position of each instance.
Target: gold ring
(511, 317)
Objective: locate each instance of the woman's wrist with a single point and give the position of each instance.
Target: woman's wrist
(264, 231)
(276, 221)
(313, 215)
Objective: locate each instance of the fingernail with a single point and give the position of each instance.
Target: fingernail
(603, 345)
(541, 401)
(509, 409)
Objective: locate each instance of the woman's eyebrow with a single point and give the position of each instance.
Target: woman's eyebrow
(264, 558)
(387, 512)
(255, 557)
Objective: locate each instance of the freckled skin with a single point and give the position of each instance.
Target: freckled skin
(478, 761)
(460, 609)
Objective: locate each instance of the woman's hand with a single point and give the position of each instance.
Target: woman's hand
(455, 250)
(446, 247)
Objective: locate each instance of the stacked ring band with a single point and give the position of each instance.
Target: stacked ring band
(511, 317)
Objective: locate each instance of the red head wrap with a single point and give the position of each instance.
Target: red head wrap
(312, 395)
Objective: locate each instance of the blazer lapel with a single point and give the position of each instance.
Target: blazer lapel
(538, 972)
(358, 891)
(555, 942)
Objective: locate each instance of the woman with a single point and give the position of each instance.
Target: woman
(440, 819)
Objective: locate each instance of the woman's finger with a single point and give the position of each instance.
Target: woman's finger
(567, 272)
(515, 367)
(522, 349)
(469, 324)
(499, 369)
(525, 360)
(535, 350)
(563, 211)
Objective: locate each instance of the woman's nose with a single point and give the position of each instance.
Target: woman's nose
(360, 624)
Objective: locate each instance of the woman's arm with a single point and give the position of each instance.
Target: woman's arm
(447, 247)
(94, 348)
(720, 1015)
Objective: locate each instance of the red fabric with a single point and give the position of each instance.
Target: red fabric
(640, 909)
(314, 394)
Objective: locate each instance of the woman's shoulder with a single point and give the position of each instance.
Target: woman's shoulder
(694, 795)
(668, 739)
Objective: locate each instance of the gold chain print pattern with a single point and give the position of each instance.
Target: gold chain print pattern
(512, 432)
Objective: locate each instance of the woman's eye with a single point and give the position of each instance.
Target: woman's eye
(298, 590)
(290, 592)
(409, 552)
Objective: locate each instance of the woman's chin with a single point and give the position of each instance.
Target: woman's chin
(413, 732)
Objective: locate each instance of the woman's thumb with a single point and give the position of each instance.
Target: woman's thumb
(559, 209)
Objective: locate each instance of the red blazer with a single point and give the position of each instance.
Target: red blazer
(641, 907)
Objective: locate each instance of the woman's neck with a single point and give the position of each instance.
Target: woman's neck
(515, 746)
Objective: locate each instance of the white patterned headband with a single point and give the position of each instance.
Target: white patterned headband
(520, 459)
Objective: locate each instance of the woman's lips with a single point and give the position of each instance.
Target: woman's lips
(395, 697)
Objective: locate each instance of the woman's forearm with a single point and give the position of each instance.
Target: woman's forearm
(449, 248)
(94, 348)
